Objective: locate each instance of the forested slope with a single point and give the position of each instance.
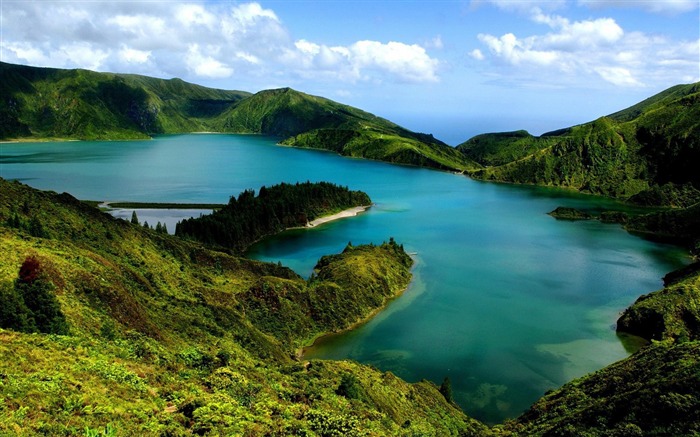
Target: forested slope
(46, 103)
(646, 153)
(52, 103)
(165, 337)
(248, 218)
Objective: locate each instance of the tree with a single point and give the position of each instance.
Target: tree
(134, 218)
(446, 389)
(14, 313)
(35, 289)
(349, 387)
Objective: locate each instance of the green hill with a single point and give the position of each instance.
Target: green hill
(51, 103)
(167, 337)
(45, 103)
(647, 152)
(315, 122)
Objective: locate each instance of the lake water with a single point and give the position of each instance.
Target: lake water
(506, 301)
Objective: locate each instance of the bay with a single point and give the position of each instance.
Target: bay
(507, 302)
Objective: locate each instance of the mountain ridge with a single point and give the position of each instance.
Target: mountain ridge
(39, 103)
(632, 154)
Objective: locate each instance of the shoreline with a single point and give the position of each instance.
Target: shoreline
(300, 352)
(350, 212)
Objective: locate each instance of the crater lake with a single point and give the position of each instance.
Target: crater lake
(506, 301)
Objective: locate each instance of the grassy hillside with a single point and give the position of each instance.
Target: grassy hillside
(166, 337)
(670, 313)
(655, 392)
(52, 103)
(649, 148)
(500, 148)
(44, 103)
(314, 122)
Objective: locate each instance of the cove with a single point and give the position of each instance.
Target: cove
(506, 301)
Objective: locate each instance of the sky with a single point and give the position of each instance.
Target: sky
(451, 68)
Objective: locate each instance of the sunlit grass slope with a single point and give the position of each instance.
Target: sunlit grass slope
(45, 103)
(650, 148)
(50, 103)
(167, 337)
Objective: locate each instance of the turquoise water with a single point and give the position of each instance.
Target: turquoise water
(506, 301)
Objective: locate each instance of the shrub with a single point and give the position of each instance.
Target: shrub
(31, 305)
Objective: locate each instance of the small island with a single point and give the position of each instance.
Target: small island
(249, 218)
(565, 213)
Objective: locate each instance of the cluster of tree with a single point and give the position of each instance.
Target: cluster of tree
(160, 228)
(248, 218)
(31, 305)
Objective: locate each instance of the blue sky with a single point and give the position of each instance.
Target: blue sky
(451, 68)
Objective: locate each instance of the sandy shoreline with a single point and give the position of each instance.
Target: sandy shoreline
(352, 212)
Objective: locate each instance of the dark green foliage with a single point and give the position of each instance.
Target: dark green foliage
(671, 313)
(248, 218)
(32, 306)
(46, 102)
(446, 389)
(676, 196)
(134, 218)
(344, 289)
(676, 226)
(649, 151)
(14, 313)
(565, 213)
(161, 228)
(502, 147)
(656, 392)
(349, 387)
(43, 102)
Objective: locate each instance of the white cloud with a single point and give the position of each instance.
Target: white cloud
(133, 56)
(194, 15)
(196, 41)
(617, 76)
(409, 62)
(206, 66)
(515, 51)
(576, 51)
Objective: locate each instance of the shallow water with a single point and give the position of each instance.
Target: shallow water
(506, 301)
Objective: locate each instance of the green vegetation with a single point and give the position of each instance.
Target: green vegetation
(113, 328)
(647, 153)
(671, 313)
(680, 226)
(503, 147)
(44, 103)
(565, 213)
(170, 338)
(249, 218)
(315, 122)
(344, 290)
(381, 145)
(655, 392)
